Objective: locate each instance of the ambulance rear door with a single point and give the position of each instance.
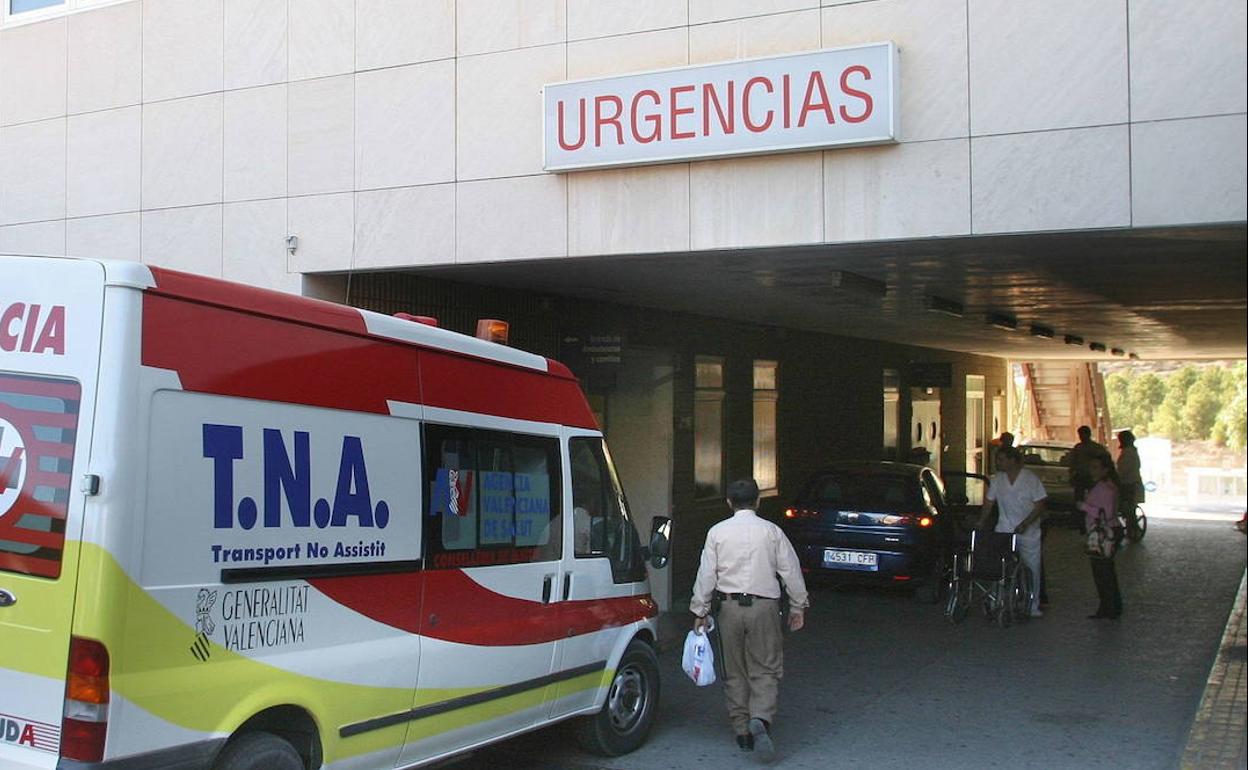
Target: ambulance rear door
(50, 332)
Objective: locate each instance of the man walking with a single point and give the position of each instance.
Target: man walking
(741, 560)
(1080, 455)
(1019, 496)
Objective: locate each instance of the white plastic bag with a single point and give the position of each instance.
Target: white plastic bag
(698, 660)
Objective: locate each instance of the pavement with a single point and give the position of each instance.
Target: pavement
(1219, 738)
(880, 680)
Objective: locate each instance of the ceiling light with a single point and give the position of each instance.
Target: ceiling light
(1041, 331)
(948, 307)
(1072, 339)
(1002, 321)
(843, 279)
(1098, 347)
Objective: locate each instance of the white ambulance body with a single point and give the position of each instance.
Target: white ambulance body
(244, 530)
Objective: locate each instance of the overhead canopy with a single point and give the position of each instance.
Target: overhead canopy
(1158, 293)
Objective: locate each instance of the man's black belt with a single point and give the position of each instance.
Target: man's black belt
(739, 596)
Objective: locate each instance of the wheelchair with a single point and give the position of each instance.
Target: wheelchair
(990, 575)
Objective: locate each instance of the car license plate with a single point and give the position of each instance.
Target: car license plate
(835, 558)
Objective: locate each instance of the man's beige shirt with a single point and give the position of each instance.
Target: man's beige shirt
(744, 554)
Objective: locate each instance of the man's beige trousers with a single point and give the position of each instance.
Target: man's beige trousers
(753, 646)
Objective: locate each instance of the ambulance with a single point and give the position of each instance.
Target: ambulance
(242, 530)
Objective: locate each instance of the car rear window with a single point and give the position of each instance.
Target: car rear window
(864, 491)
(38, 427)
(1044, 455)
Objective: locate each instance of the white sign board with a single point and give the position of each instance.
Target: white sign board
(829, 98)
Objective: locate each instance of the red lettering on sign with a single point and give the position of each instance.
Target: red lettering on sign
(655, 119)
(28, 735)
(563, 144)
(757, 128)
(868, 104)
(823, 104)
(677, 111)
(613, 119)
(727, 123)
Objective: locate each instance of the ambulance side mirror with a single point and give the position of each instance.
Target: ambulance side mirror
(660, 542)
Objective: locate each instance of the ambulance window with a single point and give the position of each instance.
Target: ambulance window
(496, 492)
(493, 497)
(601, 525)
(38, 428)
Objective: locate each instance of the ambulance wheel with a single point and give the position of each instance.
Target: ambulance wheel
(625, 719)
(258, 751)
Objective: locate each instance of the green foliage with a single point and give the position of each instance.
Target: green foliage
(1231, 426)
(1168, 420)
(1189, 404)
(1200, 410)
(1133, 399)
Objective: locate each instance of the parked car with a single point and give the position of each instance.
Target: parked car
(880, 522)
(1048, 461)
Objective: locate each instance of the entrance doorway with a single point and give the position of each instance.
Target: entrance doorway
(975, 439)
(637, 421)
(925, 430)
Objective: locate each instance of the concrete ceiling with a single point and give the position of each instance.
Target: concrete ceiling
(1160, 293)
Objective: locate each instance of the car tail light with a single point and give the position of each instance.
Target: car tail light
(800, 513)
(85, 722)
(906, 520)
(900, 578)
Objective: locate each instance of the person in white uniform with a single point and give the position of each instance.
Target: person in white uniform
(1019, 496)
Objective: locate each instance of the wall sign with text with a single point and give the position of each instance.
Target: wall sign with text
(829, 98)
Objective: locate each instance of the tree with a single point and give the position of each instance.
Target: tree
(1231, 426)
(1200, 411)
(1117, 393)
(1168, 420)
(1144, 396)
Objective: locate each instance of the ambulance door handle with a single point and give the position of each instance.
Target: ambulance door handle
(7, 599)
(546, 586)
(567, 585)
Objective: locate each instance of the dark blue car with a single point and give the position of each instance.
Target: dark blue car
(880, 522)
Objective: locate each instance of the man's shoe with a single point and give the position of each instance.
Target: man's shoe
(745, 742)
(760, 731)
(1097, 616)
(1037, 614)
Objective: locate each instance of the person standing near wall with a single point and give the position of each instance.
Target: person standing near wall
(1079, 458)
(1100, 508)
(744, 561)
(1131, 491)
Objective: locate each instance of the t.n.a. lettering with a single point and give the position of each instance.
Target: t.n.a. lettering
(287, 475)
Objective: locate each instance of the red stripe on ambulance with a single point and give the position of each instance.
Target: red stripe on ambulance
(468, 613)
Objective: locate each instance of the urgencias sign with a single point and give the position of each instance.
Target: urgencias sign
(829, 98)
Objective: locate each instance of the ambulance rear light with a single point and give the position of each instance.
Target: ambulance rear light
(427, 320)
(85, 722)
(492, 330)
